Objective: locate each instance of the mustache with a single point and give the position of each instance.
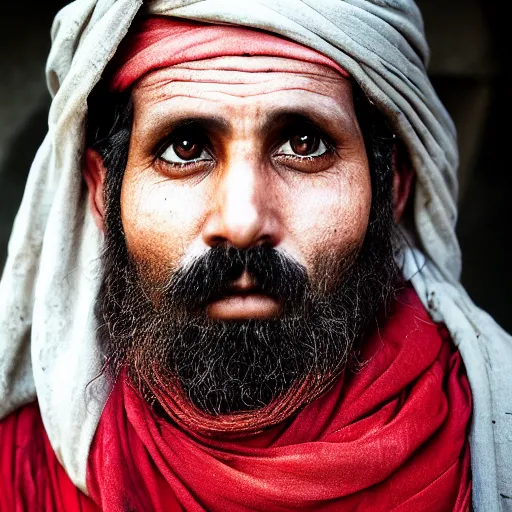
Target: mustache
(211, 276)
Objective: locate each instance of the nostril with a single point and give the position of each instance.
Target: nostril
(265, 241)
(216, 240)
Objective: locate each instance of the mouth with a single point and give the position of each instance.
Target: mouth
(244, 306)
(244, 300)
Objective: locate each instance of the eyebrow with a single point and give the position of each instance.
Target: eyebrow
(209, 123)
(282, 117)
(276, 119)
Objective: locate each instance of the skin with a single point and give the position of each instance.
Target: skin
(249, 186)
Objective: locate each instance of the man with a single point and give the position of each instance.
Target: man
(221, 292)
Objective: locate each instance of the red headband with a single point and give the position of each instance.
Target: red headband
(159, 42)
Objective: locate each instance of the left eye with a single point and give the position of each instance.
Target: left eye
(185, 150)
(303, 145)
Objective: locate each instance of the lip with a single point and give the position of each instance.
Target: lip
(244, 305)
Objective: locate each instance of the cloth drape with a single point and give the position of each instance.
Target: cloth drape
(31, 477)
(48, 346)
(391, 437)
(157, 42)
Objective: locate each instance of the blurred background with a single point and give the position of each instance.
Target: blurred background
(470, 68)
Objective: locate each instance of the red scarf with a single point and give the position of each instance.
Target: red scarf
(159, 42)
(391, 437)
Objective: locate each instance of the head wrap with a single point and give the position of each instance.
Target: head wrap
(48, 347)
(158, 42)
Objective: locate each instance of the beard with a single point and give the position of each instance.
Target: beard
(212, 375)
(156, 327)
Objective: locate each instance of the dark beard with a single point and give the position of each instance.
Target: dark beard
(156, 329)
(160, 329)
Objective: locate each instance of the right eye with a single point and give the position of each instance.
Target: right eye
(185, 149)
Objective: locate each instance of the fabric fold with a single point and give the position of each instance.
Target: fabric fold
(395, 432)
(157, 42)
(49, 284)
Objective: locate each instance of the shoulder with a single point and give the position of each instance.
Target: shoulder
(30, 474)
(21, 449)
(21, 439)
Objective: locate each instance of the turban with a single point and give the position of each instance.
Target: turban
(158, 42)
(48, 345)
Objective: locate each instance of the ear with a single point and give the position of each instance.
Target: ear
(402, 181)
(94, 173)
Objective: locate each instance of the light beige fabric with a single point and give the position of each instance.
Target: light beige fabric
(47, 330)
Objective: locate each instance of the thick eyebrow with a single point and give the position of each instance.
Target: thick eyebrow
(276, 119)
(280, 118)
(208, 123)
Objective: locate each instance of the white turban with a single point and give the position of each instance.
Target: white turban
(48, 347)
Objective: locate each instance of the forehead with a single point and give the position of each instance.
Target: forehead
(236, 86)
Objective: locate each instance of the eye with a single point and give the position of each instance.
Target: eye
(185, 149)
(305, 143)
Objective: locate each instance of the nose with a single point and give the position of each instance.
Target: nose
(244, 213)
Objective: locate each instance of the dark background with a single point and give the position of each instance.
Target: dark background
(470, 68)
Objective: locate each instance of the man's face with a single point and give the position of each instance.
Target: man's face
(224, 152)
(246, 251)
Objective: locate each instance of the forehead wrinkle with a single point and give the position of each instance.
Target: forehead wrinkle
(319, 98)
(262, 117)
(216, 96)
(265, 87)
(163, 77)
(318, 112)
(166, 77)
(161, 84)
(241, 68)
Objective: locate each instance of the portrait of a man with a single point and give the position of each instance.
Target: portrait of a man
(234, 280)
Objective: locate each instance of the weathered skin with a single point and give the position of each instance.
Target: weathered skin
(250, 188)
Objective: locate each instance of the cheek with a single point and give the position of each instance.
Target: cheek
(159, 221)
(332, 214)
